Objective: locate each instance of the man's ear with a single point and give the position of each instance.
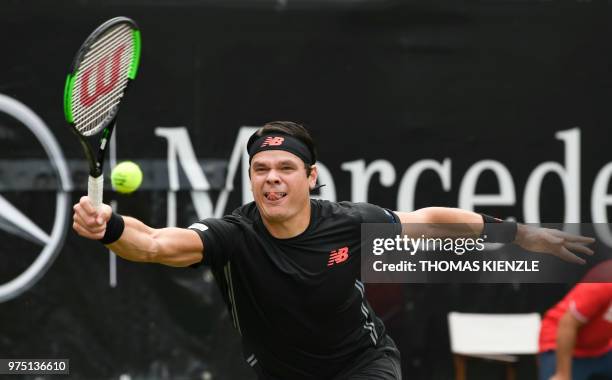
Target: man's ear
(250, 183)
(312, 178)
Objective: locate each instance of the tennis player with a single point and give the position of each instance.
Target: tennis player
(288, 266)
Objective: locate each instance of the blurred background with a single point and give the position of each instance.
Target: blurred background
(412, 103)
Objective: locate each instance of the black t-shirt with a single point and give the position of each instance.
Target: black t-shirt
(297, 303)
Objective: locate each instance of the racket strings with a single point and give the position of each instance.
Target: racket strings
(91, 115)
(91, 105)
(110, 39)
(107, 75)
(106, 46)
(102, 46)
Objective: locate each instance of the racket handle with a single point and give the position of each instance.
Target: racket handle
(95, 188)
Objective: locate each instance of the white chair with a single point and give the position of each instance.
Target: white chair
(498, 337)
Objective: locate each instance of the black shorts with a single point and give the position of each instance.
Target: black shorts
(379, 363)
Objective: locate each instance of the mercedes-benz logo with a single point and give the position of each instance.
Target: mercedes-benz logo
(16, 222)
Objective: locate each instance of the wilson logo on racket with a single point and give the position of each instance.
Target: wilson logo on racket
(338, 256)
(105, 81)
(273, 141)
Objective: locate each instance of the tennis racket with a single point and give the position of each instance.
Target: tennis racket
(100, 74)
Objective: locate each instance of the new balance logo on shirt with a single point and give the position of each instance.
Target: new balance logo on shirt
(338, 256)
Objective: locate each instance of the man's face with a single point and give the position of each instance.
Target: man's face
(280, 187)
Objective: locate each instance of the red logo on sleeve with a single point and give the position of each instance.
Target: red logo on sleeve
(338, 256)
(272, 141)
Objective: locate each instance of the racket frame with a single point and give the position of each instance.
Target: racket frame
(96, 161)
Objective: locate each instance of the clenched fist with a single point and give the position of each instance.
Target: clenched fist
(89, 222)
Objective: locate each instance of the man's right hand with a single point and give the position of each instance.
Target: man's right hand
(554, 242)
(89, 222)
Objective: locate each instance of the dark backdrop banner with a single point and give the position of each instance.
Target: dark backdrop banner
(496, 106)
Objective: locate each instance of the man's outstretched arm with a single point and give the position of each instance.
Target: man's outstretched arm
(169, 246)
(453, 222)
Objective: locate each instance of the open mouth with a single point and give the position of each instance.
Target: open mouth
(274, 195)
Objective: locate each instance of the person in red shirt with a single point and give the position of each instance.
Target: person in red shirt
(576, 334)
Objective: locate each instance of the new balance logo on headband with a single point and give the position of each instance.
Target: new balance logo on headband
(273, 141)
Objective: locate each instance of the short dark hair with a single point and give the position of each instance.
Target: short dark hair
(292, 129)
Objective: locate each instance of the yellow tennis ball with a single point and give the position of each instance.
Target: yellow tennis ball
(126, 177)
